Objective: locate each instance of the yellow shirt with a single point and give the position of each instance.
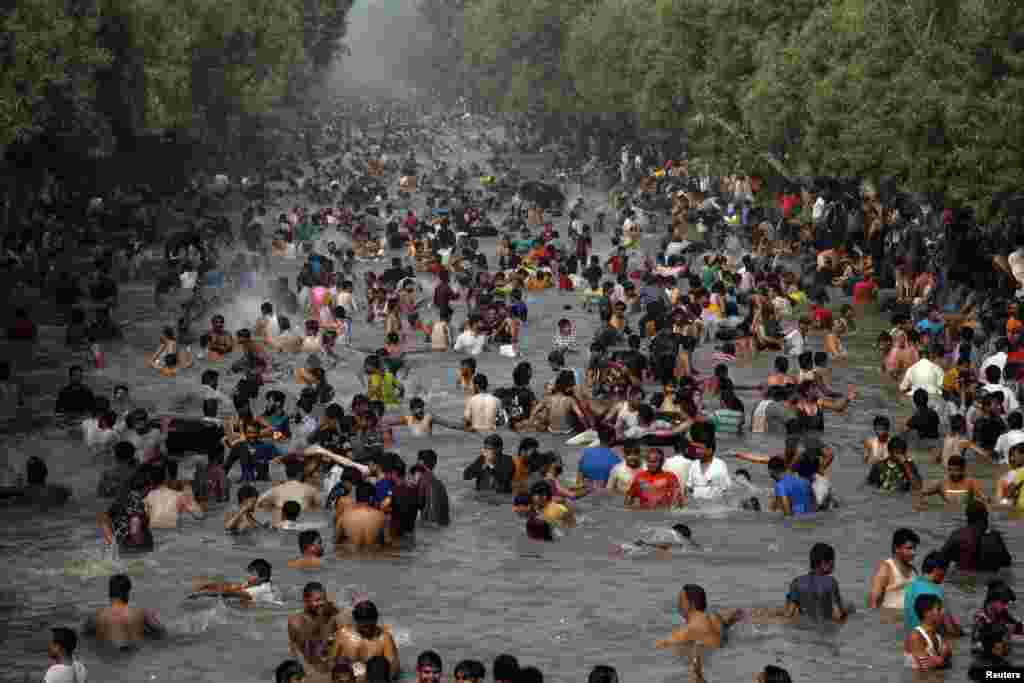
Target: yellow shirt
(555, 512)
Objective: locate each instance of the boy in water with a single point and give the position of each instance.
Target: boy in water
(256, 587)
(816, 595)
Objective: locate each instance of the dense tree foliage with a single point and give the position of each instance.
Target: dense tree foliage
(928, 93)
(120, 68)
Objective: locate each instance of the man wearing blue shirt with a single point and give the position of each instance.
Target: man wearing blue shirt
(793, 494)
(929, 582)
(597, 462)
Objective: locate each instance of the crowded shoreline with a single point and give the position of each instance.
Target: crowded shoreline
(658, 359)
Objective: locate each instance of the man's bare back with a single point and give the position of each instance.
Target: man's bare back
(360, 526)
(305, 495)
(122, 624)
(349, 642)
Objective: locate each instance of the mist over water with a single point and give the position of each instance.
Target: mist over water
(386, 37)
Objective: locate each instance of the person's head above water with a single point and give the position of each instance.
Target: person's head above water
(934, 566)
(291, 510)
(259, 571)
(823, 559)
(310, 539)
(289, 671)
(120, 587)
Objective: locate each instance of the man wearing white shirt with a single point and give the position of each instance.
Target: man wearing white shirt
(1009, 439)
(679, 465)
(993, 378)
(924, 374)
(470, 341)
(708, 478)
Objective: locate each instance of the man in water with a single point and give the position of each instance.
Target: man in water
(956, 487)
(702, 628)
(709, 478)
(310, 631)
(361, 525)
(654, 488)
(816, 595)
(621, 476)
(256, 587)
(306, 495)
(36, 490)
(244, 517)
(366, 639)
(893, 575)
(163, 504)
(121, 624)
(492, 470)
(482, 408)
(64, 666)
(75, 398)
(311, 546)
(431, 491)
(114, 482)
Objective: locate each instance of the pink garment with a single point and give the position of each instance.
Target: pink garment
(318, 297)
(892, 361)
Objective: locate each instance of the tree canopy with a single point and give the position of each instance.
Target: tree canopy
(926, 92)
(145, 64)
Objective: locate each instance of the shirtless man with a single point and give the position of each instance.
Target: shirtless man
(221, 342)
(364, 640)
(121, 624)
(482, 408)
(308, 497)
(310, 633)
(361, 525)
(311, 545)
(701, 627)
(955, 487)
(244, 517)
(702, 630)
(164, 503)
(419, 421)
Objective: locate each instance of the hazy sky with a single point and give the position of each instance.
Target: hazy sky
(383, 35)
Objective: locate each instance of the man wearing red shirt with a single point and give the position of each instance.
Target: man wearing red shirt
(654, 488)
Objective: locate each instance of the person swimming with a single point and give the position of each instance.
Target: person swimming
(660, 539)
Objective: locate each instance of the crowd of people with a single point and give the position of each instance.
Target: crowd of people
(387, 255)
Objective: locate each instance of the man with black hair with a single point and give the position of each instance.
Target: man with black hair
(64, 666)
(816, 595)
(361, 525)
(432, 493)
(429, 668)
(244, 517)
(75, 398)
(366, 639)
(114, 482)
(36, 490)
(506, 669)
(274, 499)
(163, 503)
(310, 632)
(121, 624)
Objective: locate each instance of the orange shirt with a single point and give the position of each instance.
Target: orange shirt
(654, 489)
